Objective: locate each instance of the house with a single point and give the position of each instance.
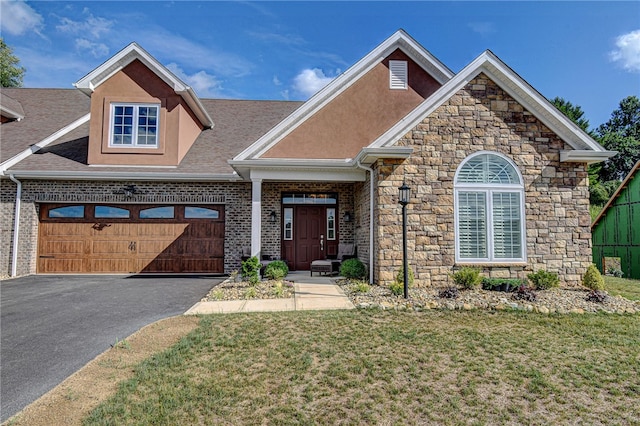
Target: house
(616, 229)
(498, 175)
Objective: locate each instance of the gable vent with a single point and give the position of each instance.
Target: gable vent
(397, 74)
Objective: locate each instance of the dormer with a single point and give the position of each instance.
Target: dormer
(141, 113)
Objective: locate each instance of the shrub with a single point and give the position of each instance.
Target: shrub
(250, 270)
(353, 269)
(397, 288)
(278, 289)
(593, 279)
(361, 286)
(449, 293)
(543, 280)
(615, 272)
(525, 293)
(400, 277)
(597, 296)
(276, 270)
(502, 284)
(467, 277)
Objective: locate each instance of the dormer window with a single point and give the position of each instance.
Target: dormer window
(134, 125)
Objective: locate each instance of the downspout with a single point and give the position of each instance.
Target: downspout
(16, 227)
(371, 191)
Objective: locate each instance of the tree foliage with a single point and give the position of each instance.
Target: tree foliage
(621, 133)
(11, 73)
(573, 112)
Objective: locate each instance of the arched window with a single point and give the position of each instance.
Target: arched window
(489, 210)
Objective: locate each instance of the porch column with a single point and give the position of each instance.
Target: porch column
(256, 216)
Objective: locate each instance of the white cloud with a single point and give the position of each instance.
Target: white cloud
(96, 27)
(627, 53)
(310, 81)
(97, 50)
(482, 28)
(205, 85)
(17, 18)
(276, 81)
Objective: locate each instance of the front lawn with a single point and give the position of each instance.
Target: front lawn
(386, 367)
(623, 287)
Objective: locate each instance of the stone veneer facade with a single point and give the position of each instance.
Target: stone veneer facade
(482, 117)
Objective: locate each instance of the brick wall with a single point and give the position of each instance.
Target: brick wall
(482, 117)
(235, 196)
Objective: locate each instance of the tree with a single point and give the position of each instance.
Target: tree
(11, 73)
(621, 133)
(573, 112)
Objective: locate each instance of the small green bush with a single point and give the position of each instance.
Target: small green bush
(495, 283)
(251, 269)
(543, 280)
(593, 279)
(353, 269)
(361, 286)
(467, 277)
(276, 270)
(400, 277)
(397, 288)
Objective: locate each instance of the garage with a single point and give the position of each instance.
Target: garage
(101, 238)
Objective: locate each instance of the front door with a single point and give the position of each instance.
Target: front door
(310, 234)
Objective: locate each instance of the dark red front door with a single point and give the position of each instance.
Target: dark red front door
(310, 235)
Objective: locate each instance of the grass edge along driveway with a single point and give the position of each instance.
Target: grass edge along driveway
(372, 367)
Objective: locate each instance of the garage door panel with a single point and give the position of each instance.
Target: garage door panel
(110, 247)
(99, 245)
(58, 265)
(110, 265)
(62, 246)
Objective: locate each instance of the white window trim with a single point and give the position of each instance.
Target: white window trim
(488, 190)
(134, 136)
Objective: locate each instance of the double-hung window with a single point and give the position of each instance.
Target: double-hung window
(489, 210)
(134, 125)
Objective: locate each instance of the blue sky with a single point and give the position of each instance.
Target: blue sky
(586, 52)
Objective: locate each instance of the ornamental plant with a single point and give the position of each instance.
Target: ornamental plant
(467, 277)
(353, 269)
(543, 280)
(400, 277)
(251, 269)
(593, 279)
(276, 270)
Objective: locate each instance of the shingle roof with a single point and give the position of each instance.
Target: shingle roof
(238, 123)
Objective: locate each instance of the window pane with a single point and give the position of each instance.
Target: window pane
(191, 212)
(288, 224)
(488, 168)
(472, 225)
(111, 212)
(67, 211)
(165, 212)
(331, 224)
(507, 236)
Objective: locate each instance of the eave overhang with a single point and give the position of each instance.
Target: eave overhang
(133, 51)
(9, 113)
(123, 176)
(585, 156)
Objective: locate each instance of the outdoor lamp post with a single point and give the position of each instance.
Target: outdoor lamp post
(403, 198)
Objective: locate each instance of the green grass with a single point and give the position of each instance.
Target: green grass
(382, 367)
(623, 287)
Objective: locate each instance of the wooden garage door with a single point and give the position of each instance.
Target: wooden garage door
(93, 238)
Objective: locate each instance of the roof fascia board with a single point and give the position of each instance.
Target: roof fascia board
(133, 51)
(43, 143)
(370, 155)
(304, 174)
(399, 40)
(9, 113)
(617, 192)
(585, 156)
(109, 175)
(511, 83)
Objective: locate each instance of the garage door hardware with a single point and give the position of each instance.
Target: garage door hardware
(100, 226)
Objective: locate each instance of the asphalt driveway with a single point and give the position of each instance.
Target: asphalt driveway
(51, 326)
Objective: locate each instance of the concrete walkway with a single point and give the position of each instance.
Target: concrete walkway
(311, 293)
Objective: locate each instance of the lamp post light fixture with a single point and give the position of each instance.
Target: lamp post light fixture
(403, 198)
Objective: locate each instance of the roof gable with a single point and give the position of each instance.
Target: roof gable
(625, 184)
(400, 40)
(585, 148)
(130, 53)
